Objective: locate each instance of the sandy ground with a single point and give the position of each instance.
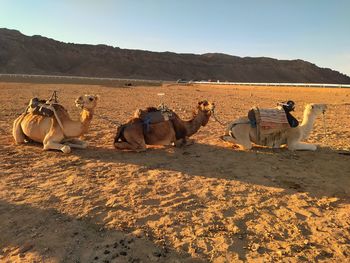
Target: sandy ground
(207, 202)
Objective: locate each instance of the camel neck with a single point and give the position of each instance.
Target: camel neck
(308, 123)
(193, 125)
(85, 118)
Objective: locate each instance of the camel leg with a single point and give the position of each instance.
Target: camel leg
(242, 144)
(77, 146)
(179, 143)
(129, 146)
(52, 141)
(228, 138)
(76, 143)
(56, 146)
(246, 145)
(17, 131)
(183, 142)
(134, 141)
(300, 146)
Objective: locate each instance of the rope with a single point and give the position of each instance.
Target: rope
(217, 120)
(116, 123)
(324, 126)
(226, 124)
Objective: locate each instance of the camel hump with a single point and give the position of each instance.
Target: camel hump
(39, 107)
(151, 109)
(142, 113)
(44, 108)
(59, 108)
(153, 115)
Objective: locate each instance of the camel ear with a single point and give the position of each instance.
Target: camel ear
(200, 102)
(97, 97)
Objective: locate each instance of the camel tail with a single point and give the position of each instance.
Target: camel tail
(17, 131)
(120, 134)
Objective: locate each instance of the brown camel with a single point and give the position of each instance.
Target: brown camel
(56, 133)
(135, 134)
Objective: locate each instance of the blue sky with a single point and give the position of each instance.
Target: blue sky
(314, 30)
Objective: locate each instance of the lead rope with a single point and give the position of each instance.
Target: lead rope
(116, 123)
(324, 126)
(217, 120)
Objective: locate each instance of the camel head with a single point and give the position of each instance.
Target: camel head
(205, 107)
(316, 109)
(87, 102)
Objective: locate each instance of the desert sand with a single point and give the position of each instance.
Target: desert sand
(208, 202)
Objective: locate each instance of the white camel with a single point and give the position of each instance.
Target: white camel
(242, 133)
(56, 134)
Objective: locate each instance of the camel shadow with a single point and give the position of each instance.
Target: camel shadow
(50, 234)
(324, 172)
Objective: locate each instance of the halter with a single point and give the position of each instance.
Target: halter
(80, 105)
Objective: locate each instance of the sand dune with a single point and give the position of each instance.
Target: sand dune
(205, 202)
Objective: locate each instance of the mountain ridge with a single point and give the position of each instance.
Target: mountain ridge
(21, 54)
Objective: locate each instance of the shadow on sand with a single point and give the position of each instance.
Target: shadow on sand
(318, 173)
(54, 236)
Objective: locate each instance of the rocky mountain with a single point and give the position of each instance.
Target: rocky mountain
(22, 54)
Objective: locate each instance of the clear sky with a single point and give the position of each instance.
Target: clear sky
(314, 30)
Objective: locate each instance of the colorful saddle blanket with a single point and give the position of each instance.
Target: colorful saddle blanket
(271, 126)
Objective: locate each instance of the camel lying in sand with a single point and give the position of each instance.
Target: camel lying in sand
(135, 136)
(242, 133)
(56, 134)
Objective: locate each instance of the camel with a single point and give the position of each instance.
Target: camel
(135, 136)
(48, 130)
(242, 133)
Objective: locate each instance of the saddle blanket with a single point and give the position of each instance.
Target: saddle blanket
(272, 119)
(271, 126)
(273, 115)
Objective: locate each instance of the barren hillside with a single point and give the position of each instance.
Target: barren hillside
(39, 55)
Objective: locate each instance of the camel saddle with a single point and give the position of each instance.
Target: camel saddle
(154, 115)
(40, 107)
(271, 126)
